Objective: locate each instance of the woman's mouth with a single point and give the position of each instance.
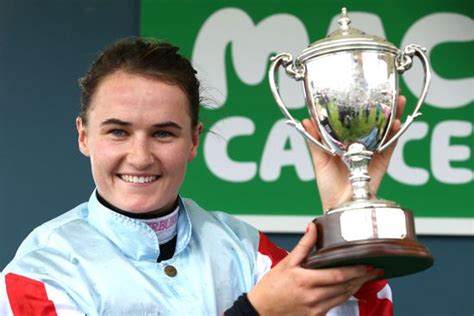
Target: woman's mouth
(138, 179)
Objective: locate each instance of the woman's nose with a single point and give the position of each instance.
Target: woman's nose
(140, 155)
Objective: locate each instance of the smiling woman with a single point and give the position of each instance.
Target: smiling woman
(137, 247)
(140, 138)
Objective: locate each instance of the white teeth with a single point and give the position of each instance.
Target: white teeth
(136, 179)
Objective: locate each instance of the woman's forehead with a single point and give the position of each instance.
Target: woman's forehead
(128, 94)
(125, 84)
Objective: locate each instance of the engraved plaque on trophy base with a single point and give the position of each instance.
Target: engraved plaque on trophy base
(382, 236)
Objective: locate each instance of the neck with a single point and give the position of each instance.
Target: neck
(147, 215)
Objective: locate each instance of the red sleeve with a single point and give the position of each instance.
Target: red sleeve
(269, 249)
(23, 296)
(27, 296)
(375, 299)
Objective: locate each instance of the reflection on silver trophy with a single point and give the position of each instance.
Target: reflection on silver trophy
(350, 82)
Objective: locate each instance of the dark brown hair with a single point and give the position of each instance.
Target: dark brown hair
(150, 58)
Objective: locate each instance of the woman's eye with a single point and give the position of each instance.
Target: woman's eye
(118, 133)
(162, 134)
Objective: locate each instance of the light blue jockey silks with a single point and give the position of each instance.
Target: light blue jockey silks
(106, 262)
(95, 261)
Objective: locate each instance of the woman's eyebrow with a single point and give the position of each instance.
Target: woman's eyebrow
(167, 124)
(114, 121)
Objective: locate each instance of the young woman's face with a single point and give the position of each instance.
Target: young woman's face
(139, 140)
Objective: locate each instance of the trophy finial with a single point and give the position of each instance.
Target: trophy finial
(344, 21)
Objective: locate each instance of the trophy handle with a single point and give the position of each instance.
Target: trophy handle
(297, 73)
(403, 63)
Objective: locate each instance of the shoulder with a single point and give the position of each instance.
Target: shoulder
(256, 241)
(226, 222)
(47, 233)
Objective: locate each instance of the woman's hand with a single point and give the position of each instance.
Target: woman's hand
(332, 175)
(289, 289)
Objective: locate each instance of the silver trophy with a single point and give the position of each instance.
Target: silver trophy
(350, 82)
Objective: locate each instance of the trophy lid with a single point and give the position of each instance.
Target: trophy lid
(346, 38)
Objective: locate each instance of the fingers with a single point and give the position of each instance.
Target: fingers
(401, 105)
(320, 299)
(396, 123)
(328, 297)
(304, 246)
(380, 162)
(325, 305)
(320, 158)
(348, 287)
(340, 275)
(310, 127)
(387, 153)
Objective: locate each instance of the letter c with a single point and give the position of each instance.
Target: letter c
(216, 154)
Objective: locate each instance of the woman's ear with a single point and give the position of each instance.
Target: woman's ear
(195, 139)
(82, 137)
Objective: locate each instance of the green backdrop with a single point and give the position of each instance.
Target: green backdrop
(217, 36)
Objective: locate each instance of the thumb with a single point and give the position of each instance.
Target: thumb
(310, 127)
(320, 158)
(304, 246)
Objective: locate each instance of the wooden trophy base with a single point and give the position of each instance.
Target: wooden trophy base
(397, 258)
(382, 237)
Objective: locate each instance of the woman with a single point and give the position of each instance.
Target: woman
(138, 248)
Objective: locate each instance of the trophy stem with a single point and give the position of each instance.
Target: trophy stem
(357, 159)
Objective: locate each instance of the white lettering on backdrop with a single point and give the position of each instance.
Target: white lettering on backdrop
(251, 45)
(430, 31)
(216, 154)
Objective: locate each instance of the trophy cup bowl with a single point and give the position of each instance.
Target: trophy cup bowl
(350, 82)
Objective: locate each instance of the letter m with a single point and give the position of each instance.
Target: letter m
(251, 45)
